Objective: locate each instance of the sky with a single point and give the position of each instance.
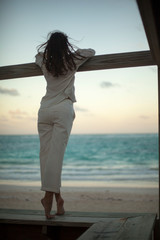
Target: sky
(108, 101)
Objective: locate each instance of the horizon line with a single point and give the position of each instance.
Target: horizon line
(36, 134)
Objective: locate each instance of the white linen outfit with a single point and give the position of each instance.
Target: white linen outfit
(55, 118)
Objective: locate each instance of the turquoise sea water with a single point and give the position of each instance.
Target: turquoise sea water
(110, 158)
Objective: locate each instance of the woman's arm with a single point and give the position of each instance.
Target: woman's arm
(39, 59)
(85, 54)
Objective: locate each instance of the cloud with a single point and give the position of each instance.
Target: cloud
(21, 115)
(145, 117)
(18, 114)
(3, 118)
(79, 109)
(106, 84)
(11, 92)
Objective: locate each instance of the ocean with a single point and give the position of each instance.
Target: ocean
(101, 159)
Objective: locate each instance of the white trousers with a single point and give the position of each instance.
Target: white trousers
(54, 127)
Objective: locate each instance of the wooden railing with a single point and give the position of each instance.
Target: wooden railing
(99, 62)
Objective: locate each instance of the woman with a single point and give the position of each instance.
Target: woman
(59, 63)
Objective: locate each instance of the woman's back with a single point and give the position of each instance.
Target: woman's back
(62, 86)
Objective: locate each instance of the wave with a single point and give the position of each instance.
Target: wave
(118, 157)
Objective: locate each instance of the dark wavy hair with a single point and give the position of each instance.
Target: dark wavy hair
(58, 54)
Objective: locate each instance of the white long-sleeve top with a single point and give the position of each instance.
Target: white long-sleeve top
(62, 87)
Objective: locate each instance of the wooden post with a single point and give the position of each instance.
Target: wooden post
(159, 129)
(157, 223)
(150, 14)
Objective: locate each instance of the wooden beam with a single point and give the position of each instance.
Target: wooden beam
(103, 225)
(150, 14)
(132, 228)
(118, 60)
(99, 62)
(159, 130)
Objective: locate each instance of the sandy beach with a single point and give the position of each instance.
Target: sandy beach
(90, 199)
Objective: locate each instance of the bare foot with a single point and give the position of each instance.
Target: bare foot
(60, 206)
(47, 204)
